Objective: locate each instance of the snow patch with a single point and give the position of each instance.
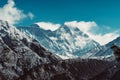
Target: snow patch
(53, 38)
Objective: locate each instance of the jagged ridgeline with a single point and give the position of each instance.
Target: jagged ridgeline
(23, 58)
(66, 41)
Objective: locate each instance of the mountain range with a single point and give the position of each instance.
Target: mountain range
(22, 57)
(69, 42)
(66, 41)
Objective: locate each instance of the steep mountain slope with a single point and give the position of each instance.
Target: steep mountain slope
(19, 53)
(65, 41)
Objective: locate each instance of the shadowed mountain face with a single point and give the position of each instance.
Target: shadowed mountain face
(66, 41)
(23, 58)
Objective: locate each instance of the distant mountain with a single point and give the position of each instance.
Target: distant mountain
(104, 50)
(67, 42)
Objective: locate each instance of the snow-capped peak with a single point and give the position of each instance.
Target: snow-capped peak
(64, 40)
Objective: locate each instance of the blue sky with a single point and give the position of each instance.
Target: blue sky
(105, 14)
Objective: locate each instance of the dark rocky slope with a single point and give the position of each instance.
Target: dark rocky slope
(77, 69)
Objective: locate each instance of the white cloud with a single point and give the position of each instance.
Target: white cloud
(83, 26)
(11, 13)
(31, 15)
(90, 27)
(48, 26)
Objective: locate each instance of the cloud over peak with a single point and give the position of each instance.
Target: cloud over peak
(82, 25)
(48, 26)
(11, 13)
(90, 27)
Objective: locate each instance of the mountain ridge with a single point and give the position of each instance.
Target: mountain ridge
(66, 41)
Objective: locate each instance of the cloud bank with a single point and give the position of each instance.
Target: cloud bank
(12, 14)
(82, 25)
(89, 28)
(48, 26)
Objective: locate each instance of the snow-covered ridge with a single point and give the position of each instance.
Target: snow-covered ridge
(66, 41)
